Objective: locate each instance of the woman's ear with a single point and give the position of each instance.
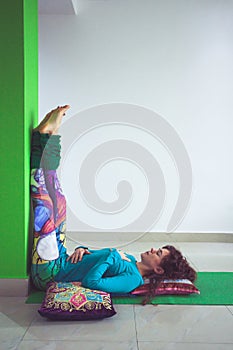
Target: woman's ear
(158, 270)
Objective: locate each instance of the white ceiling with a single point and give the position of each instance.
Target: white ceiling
(58, 7)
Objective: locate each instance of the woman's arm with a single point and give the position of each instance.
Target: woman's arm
(123, 282)
(78, 254)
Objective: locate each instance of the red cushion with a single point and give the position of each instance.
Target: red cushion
(182, 286)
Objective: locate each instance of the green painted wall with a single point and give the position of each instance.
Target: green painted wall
(19, 111)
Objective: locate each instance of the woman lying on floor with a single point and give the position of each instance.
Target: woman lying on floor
(106, 269)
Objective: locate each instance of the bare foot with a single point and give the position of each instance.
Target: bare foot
(52, 121)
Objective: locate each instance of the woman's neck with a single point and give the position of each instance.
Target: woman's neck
(142, 269)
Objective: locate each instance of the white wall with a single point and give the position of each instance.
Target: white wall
(173, 57)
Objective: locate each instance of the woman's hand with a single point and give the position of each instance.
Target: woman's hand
(77, 255)
(123, 256)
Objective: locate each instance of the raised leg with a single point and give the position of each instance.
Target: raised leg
(49, 203)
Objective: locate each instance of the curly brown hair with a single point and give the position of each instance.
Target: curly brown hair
(175, 266)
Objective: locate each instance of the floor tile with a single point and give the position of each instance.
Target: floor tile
(182, 346)
(206, 248)
(15, 309)
(179, 323)
(212, 263)
(71, 345)
(10, 333)
(15, 317)
(144, 246)
(208, 256)
(230, 308)
(119, 327)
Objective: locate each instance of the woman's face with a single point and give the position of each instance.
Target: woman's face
(152, 258)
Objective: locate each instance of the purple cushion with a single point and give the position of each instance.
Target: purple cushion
(70, 301)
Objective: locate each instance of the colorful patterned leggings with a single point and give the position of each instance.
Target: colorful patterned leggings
(49, 207)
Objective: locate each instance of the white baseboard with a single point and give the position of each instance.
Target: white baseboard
(149, 236)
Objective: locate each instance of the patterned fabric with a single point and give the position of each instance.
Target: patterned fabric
(49, 207)
(70, 301)
(166, 287)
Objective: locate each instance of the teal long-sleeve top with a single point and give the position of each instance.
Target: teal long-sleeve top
(104, 270)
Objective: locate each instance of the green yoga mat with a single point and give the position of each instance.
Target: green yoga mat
(216, 289)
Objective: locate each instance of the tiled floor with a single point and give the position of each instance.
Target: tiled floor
(134, 327)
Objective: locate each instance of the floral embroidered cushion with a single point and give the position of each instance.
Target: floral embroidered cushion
(70, 301)
(179, 286)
